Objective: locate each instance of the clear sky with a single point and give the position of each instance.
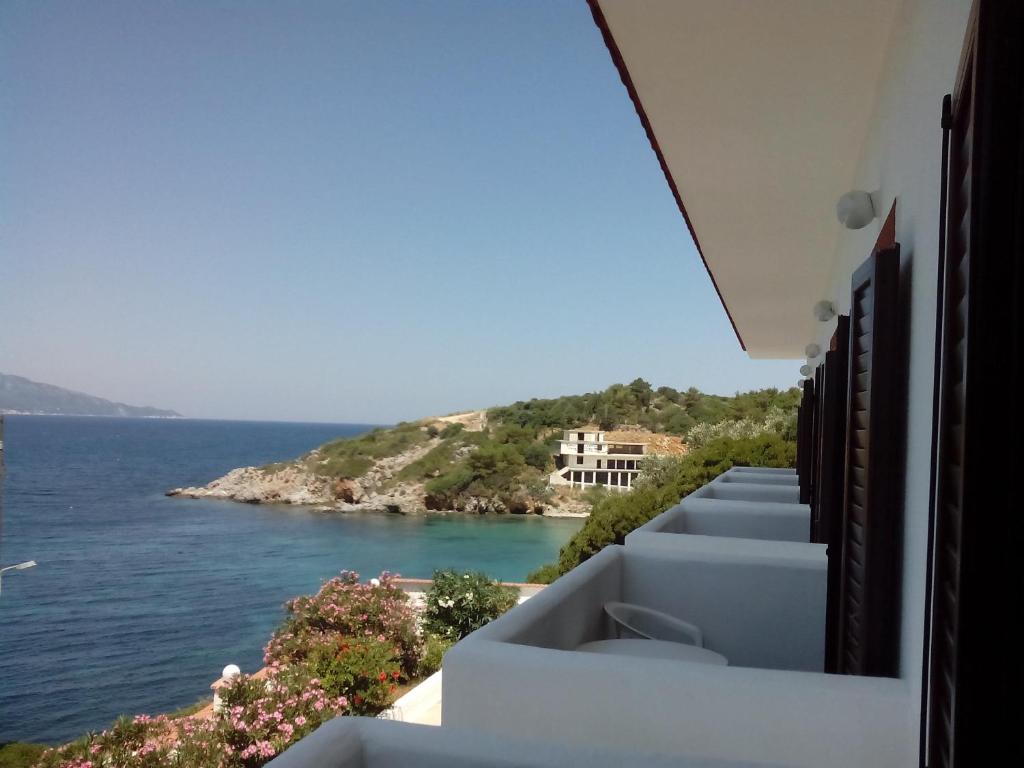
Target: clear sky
(339, 211)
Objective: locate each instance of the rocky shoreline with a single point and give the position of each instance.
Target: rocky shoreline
(295, 483)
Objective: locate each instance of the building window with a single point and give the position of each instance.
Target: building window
(598, 463)
(579, 459)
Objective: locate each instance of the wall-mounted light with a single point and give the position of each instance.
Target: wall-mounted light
(812, 350)
(824, 311)
(855, 210)
(805, 370)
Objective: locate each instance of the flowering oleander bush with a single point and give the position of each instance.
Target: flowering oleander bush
(459, 603)
(140, 742)
(261, 717)
(434, 649)
(346, 608)
(363, 670)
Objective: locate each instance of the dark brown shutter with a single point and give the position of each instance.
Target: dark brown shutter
(975, 673)
(830, 492)
(805, 438)
(819, 377)
(832, 434)
(869, 582)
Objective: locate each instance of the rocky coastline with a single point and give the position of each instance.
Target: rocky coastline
(295, 483)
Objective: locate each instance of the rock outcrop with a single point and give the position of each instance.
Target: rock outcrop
(298, 483)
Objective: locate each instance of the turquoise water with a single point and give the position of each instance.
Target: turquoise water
(139, 600)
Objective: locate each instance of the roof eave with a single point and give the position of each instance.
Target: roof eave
(627, 81)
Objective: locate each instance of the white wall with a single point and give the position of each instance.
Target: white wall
(901, 160)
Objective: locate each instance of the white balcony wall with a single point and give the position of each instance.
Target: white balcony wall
(736, 491)
(763, 610)
(771, 521)
(359, 742)
(778, 471)
(761, 478)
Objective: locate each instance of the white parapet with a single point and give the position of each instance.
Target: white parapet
(763, 610)
(359, 742)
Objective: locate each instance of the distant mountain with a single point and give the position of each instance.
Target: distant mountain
(21, 395)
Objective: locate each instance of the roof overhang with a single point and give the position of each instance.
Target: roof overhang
(758, 113)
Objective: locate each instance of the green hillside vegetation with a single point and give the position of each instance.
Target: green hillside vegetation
(508, 462)
(660, 410)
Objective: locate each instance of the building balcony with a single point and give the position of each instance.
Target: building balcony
(761, 605)
(360, 742)
(728, 487)
(703, 513)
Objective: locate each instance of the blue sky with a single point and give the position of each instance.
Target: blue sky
(339, 211)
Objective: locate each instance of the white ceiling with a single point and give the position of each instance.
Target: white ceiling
(760, 108)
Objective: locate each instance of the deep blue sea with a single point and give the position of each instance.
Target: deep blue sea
(140, 600)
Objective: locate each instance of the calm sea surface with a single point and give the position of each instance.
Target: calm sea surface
(139, 600)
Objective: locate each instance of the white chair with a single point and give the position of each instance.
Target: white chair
(652, 634)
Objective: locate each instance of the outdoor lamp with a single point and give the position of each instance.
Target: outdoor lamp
(855, 210)
(824, 311)
(805, 370)
(812, 350)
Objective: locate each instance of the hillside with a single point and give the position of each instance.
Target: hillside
(498, 460)
(21, 395)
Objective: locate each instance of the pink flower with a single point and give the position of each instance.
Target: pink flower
(300, 721)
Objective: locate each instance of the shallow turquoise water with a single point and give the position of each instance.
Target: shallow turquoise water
(139, 600)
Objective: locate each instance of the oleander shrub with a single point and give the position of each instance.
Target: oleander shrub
(459, 603)
(139, 742)
(365, 671)
(344, 607)
(434, 649)
(261, 717)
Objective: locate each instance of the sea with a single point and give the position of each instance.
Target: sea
(139, 600)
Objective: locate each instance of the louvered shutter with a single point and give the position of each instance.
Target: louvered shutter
(975, 670)
(830, 492)
(819, 378)
(805, 436)
(832, 434)
(869, 580)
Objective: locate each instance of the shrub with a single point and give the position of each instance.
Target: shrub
(442, 492)
(344, 607)
(459, 603)
(261, 717)
(434, 649)
(452, 430)
(544, 575)
(774, 420)
(20, 754)
(140, 742)
(538, 456)
(363, 670)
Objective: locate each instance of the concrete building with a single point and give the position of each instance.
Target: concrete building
(851, 174)
(585, 458)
